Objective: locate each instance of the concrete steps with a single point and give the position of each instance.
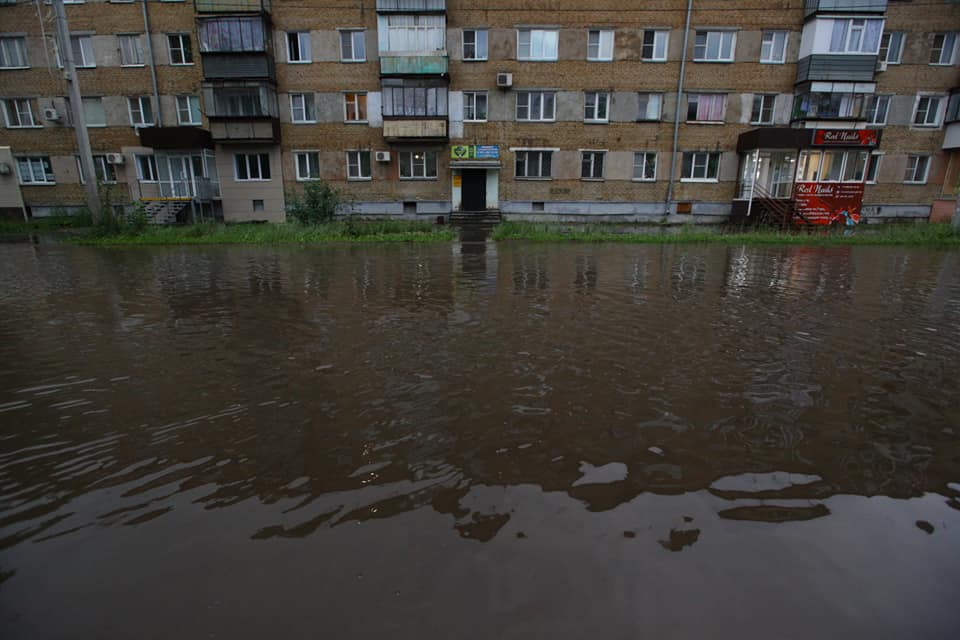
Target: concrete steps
(491, 217)
(164, 211)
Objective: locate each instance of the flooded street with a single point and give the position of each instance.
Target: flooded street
(479, 441)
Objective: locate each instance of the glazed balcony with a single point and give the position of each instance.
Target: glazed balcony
(242, 112)
(844, 6)
(236, 47)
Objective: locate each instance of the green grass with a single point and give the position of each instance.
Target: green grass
(384, 231)
(935, 235)
(53, 223)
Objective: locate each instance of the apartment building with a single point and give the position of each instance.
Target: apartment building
(417, 108)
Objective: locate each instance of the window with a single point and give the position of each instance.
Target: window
(654, 47)
(714, 46)
(82, 48)
(180, 50)
(352, 48)
(93, 112)
(533, 164)
(298, 47)
(35, 170)
(474, 44)
(141, 111)
(953, 108)
(645, 166)
(917, 167)
(855, 36)
(418, 165)
(537, 44)
(773, 47)
(650, 104)
(355, 105)
(406, 100)
(302, 108)
(944, 47)
(13, 53)
(131, 51)
(877, 108)
(536, 106)
(600, 45)
(188, 110)
(358, 165)
(308, 165)
(19, 112)
(828, 105)
(927, 113)
(873, 167)
(591, 165)
(146, 168)
(855, 166)
(891, 47)
(238, 102)
(831, 166)
(232, 34)
(705, 107)
(401, 33)
(106, 174)
(596, 106)
(700, 166)
(251, 166)
(762, 112)
(475, 106)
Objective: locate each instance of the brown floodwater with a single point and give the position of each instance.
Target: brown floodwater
(479, 440)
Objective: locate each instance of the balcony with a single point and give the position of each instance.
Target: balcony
(834, 67)
(242, 111)
(227, 66)
(241, 130)
(410, 6)
(403, 130)
(236, 47)
(843, 6)
(428, 65)
(829, 106)
(232, 6)
(175, 137)
(951, 134)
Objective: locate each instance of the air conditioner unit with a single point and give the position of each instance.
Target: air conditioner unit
(505, 80)
(114, 158)
(881, 65)
(381, 156)
(51, 114)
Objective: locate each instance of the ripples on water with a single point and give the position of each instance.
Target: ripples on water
(534, 394)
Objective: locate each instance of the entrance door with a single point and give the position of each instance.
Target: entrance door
(474, 190)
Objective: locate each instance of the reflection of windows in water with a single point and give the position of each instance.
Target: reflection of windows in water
(637, 275)
(586, 272)
(530, 273)
(689, 275)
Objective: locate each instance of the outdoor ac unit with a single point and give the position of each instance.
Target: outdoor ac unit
(382, 156)
(505, 80)
(881, 65)
(51, 114)
(114, 158)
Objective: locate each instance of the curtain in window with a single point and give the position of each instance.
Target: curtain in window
(414, 33)
(414, 101)
(232, 34)
(710, 108)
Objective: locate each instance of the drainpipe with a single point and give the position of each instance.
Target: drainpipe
(676, 113)
(157, 115)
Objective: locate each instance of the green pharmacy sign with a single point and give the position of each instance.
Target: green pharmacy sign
(475, 152)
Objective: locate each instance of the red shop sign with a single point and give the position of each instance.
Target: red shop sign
(828, 202)
(845, 138)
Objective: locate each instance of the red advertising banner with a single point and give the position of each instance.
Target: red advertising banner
(845, 138)
(828, 202)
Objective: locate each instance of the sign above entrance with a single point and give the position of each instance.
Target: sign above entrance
(845, 138)
(475, 152)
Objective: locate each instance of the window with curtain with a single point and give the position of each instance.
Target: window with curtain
(414, 101)
(232, 34)
(706, 107)
(855, 35)
(408, 33)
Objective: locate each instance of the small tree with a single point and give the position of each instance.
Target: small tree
(318, 203)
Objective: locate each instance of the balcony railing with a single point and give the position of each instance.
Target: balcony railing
(844, 6)
(837, 67)
(432, 65)
(232, 6)
(418, 129)
(411, 6)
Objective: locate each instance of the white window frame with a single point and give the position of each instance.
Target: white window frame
(590, 157)
(135, 108)
(549, 52)
(528, 97)
(596, 107)
(913, 164)
(714, 33)
(181, 38)
(355, 165)
(353, 35)
(664, 44)
(151, 164)
(470, 102)
(888, 38)
(705, 164)
(19, 112)
(763, 99)
(247, 160)
(190, 100)
(47, 178)
(413, 164)
(603, 45)
(873, 167)
(937, 112)
(948, 47)
(772, 34)
(307, 102)
(476, 45)
(642, 156)
(307, 155)
(854, 25)
(650, 95)
(84, 47)
(134, 45)
(541, 154)
(22, 53)
(356, 108)
(303, 38)
(874, 103)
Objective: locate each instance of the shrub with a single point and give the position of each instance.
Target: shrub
(318, 203)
